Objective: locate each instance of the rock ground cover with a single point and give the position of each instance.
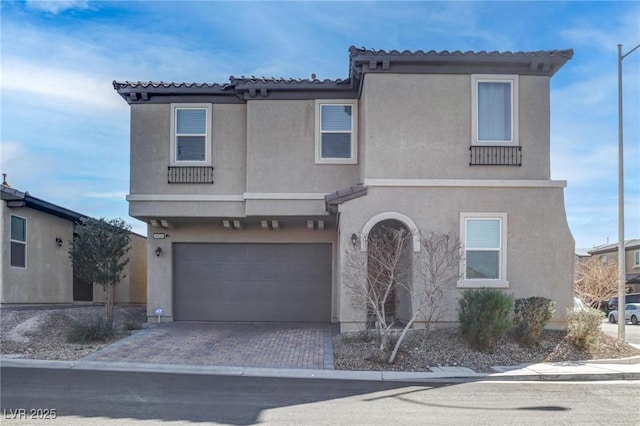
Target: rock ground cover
(41, 334)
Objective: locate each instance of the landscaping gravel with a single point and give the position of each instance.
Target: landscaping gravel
(42, 334)
(445, 348)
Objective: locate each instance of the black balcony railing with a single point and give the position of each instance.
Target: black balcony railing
(483, 155)
(195, 174)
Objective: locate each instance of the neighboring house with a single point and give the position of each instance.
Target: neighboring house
(35, 267)
(609, 252)
(254, 190)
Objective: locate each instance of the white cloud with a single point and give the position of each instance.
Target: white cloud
(56, 6)
(65, 85)
(116, 195)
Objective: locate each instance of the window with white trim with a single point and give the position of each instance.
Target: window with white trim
(483, 238)
(18, 242)
(336, 131)
(191, 134)
(636, 258)
(494, 109)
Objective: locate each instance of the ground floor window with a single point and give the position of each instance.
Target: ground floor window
(18, 242)
(483, 237)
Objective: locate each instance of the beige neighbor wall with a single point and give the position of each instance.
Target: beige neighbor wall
(539, 244)
(48, 276)
(419, 127)
(160, 272)
(133, 287)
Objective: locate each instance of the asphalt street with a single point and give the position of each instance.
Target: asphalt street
(84, 397)
(632, 332)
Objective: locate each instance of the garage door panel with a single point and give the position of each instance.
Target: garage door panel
(252, 282)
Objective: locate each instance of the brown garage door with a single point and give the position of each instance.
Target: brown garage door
(252, 282)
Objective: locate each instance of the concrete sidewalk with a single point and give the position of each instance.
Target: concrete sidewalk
(624, 369)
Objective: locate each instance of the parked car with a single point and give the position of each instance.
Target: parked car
(631, 314)
(628, 298)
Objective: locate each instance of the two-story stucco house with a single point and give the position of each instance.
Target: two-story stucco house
(254, 190)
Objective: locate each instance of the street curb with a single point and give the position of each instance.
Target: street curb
(443, 375)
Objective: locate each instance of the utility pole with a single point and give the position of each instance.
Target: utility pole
(621, 245)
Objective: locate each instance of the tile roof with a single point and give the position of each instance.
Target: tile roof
(361, 61)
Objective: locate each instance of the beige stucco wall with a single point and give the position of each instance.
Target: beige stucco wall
(48, 277)
(539, 244)
(419, 127)
(160, 270)
(281, 150)
(150, 150)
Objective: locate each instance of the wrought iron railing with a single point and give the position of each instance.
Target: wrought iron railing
(483, 155)
(190, 174)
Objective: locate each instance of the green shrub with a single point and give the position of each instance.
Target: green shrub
(485, 317)
(98, 329)
(583, 327)
(531, 315)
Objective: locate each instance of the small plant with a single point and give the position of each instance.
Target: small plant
(485, 317)
(130, 324)
(98, 329)
(531, 315)
(583, 327)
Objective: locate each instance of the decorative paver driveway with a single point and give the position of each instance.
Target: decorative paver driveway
(266, 345)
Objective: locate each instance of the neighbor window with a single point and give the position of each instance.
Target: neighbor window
(636, 258)
(495, 109)
(484, 240)
(336, 136)
(18, 242)
(190, 134)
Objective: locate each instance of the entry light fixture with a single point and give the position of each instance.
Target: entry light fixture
(59, 241)
(158, 251)
(354, 239)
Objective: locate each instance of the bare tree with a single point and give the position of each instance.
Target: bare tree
(439, 270)
(373, 278)
(596, 281)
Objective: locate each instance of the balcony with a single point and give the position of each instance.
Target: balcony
(183, 174)
(483, 155)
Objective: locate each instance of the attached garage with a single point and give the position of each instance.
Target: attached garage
(252, 282)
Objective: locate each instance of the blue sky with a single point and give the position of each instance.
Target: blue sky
(65, 131)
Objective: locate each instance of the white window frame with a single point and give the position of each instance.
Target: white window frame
(494, 78)
(502, 281)
(636, 259)
(24, 243)
(353, 103)
(174, 146)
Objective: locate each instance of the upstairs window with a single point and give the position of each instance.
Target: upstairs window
(636, 258)
(18, 242)
(495, 109)
(336, 138)
(190, 135)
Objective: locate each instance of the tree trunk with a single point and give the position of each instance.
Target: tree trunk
(108, 302)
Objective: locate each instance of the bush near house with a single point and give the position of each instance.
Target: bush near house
(485, 317)
(530, 317)
(583, 327)
(97, 329)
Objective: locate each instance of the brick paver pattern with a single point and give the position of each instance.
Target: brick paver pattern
(266, 345)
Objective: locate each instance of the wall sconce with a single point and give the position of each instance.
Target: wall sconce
(158, 251)
(59, 241)
(354, 239)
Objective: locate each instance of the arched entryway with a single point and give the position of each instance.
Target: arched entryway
(389, 246)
